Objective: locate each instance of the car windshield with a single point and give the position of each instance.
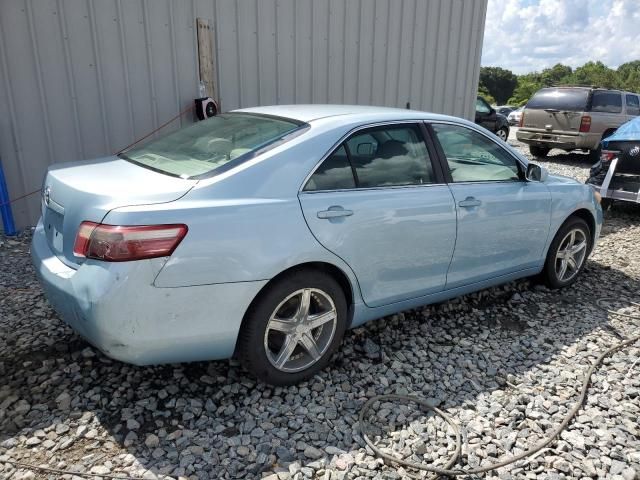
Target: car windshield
(209, 145)
(564, 99)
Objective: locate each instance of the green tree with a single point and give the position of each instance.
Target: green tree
(524, 91)
(484, 93)
(629, 76)
(499, 83)
(555, 75)
(494, 79)
(594, 73)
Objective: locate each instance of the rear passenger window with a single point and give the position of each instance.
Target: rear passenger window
(390, 156)
(633, 105)
(378, 157)
(334, 173)
(609, 102)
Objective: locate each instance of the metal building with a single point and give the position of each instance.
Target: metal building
(83, 78)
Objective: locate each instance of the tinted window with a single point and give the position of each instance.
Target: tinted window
(565, 99)
(482, 106)
(387, 156)
(610, 102)
(633, 105)
(333, 174)
(473, 157)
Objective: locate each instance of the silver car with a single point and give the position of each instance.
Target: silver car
(266, 232)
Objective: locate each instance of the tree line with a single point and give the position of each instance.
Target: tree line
(500, 86)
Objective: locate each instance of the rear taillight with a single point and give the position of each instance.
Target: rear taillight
(113, 243)
(585, 123)
(521, 122)
(607, 155)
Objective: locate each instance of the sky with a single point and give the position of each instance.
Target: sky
(529, 35)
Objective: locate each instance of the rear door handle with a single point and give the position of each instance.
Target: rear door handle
(469, 202)
(335, 212)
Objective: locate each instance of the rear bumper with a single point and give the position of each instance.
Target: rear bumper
(589, 141)
(116, 308)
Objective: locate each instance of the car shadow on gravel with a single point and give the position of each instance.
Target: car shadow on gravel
(62, 400)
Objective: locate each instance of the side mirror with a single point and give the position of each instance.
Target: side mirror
(536, 173)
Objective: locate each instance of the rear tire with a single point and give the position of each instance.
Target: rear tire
(278, 342)
(503, 134)
(567, 254)
(537, 151)
(594, 155)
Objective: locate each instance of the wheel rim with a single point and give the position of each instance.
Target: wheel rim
(502, 134)
(571, 254)
(300, 330)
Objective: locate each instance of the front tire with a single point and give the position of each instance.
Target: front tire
(503, 134)
(293, 328)
(567, 254)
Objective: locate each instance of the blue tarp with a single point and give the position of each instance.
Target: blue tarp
(626, 131)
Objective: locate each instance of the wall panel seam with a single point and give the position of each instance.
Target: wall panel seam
(96, 59)
(41, 91)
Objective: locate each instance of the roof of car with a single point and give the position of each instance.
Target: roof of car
(308, 113)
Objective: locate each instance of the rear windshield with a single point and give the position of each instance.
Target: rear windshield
(213, 145)
(565, 99)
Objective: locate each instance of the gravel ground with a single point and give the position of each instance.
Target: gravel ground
(505, 363)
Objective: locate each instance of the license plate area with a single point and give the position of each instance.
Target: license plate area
(53, 227)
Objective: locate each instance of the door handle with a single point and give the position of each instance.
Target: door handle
(470, 202)
(335, 212)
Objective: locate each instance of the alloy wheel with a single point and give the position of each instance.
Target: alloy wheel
(571, 255)
(502, 134)
(300, 330)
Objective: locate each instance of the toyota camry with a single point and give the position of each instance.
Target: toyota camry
(265, 233)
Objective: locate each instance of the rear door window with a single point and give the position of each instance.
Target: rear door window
(390, 156)
(393, 155)
(335, 173)
(608, 102)
(563, 99)
(633, 105)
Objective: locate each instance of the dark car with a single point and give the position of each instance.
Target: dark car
(617, 174)
(493, 121)
(505, 110)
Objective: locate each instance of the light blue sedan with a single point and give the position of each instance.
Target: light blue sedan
(266, 232)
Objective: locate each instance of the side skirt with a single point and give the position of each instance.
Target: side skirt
(363, 313)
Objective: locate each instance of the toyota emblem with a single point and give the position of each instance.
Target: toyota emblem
(634, 151)
(46, 195)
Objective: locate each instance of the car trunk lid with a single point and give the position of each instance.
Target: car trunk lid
(87, 191)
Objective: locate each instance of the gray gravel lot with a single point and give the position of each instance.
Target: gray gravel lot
(506, 363)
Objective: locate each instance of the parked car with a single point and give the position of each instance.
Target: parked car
(487, 117)
(515, 116)
(266, 232)
(505, 110)
(616, 176)
(571, 118)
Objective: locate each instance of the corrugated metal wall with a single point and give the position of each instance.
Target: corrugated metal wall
(83, 78)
